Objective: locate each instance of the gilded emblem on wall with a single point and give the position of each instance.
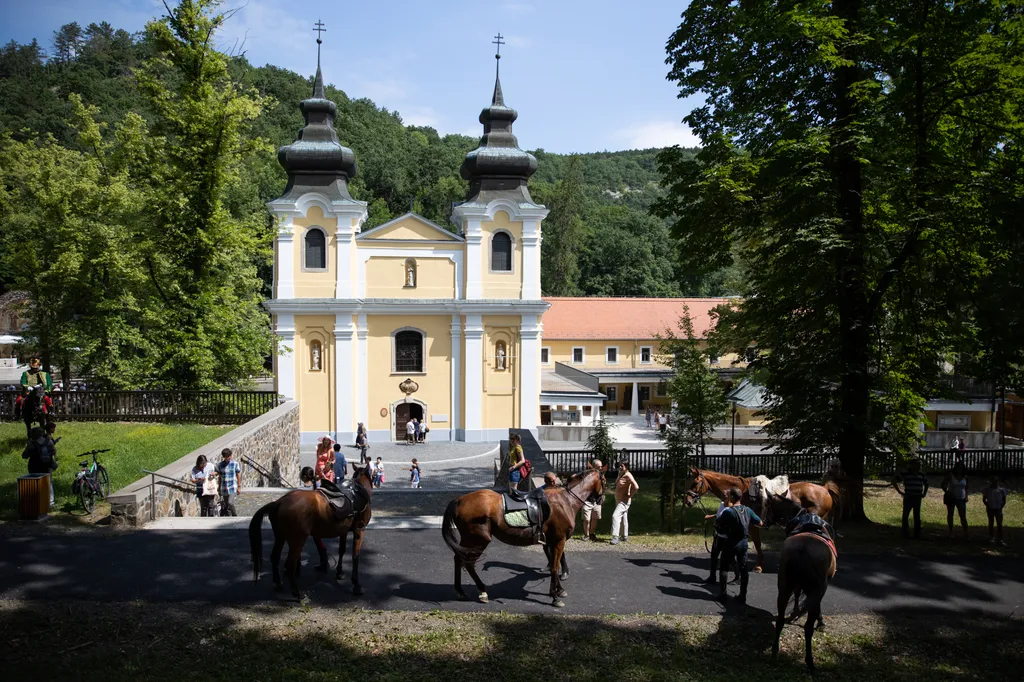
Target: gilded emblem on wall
(408, 387)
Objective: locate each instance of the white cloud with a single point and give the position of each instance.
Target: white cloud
(657, 134)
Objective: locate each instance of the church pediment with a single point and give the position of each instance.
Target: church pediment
(409, 228)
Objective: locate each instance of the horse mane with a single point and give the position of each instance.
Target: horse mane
(577, 478)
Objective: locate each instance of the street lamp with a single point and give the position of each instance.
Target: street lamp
(732, 445)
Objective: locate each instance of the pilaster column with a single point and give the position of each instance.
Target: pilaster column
(596, 416)
(284, 331)
(474, 260)
(455, 420)
(363, 368)
(531, 259)
(474, 378)
(350, 217)
(344, 334)
(529, 383)
(284, 265)
(635, 411)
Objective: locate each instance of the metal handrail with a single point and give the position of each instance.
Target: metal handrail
(266, 472)
(180, 485)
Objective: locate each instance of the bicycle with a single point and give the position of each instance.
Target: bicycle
(91, 482)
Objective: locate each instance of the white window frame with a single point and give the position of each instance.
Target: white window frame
(583, 355)
(611, 362)
(546, 349)
(394, 351)
(650, 355)
(327, 249)
(613, 394)
(511, 257)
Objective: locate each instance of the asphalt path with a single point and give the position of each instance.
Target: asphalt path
(413, 570)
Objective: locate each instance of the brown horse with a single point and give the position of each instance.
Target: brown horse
(806, 564)
(821, 499)
(479, 518)
(301, 513)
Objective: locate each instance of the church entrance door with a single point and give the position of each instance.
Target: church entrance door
(404, 412)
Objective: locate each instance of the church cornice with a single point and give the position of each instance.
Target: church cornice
(398, 306)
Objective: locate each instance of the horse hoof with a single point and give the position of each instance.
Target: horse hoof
(558, 603)
(562, 593)
(483, 598)
(303, 599)
(357, 590)
(563, 576)
(758, 569)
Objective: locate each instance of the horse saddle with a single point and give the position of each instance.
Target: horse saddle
(524, 511)
(346, 500)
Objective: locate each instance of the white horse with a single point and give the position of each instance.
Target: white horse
(761, 486)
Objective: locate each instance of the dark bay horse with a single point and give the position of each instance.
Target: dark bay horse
(478, 516)
(806, 564)
(820, 499)
(299, 514)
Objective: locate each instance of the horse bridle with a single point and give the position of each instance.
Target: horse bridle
(581, 500)
(702, 487)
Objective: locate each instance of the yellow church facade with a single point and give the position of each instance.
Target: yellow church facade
(408, 320)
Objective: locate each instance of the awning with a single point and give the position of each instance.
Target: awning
(9, 339)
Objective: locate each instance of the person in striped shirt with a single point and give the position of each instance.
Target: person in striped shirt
(915, 487)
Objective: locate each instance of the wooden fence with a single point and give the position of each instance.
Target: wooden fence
(210, 407)
(1010, 461)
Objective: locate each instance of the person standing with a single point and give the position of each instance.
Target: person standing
(625, 488)
(419, 430)
(360, 431)
(955, 497)
(378, 473)
(410, 431)
(340, 464)
(915, 487)
(203, 475)
(716, 543)
(230, 474)
(647, 416)
(592, 508)
(994, 497)
(41, 455)
(325, 465)
(516, 459)
(414, 474)
(734, 525)
(662, 423)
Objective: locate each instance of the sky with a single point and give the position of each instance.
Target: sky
(585, 76)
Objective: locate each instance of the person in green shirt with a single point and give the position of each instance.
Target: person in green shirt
(35, 376)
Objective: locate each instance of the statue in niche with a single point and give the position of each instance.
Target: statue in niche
(499, 356)
(410, 273)
(315, 361)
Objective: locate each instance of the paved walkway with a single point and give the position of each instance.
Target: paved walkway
(445, 465)
(412, 569)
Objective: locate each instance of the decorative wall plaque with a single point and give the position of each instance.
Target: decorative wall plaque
(408, 387)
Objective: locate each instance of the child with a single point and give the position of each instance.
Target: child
(307, 479)
(994, 497)
(378, 473)
(414, 474)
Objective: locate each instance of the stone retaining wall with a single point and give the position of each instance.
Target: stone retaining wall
(271, 440)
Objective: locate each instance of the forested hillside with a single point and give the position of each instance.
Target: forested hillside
(618, 248)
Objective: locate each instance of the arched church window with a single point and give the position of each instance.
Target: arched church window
(501, 252)
(316, 249)
(408, 351)
(500, 356)
(316, 359)
(410, 274)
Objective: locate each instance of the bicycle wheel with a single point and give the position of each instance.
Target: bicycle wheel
(103, 481)
(87, 496)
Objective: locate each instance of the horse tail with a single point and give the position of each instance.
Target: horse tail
(256, 538)
(448, 532)
(837, 500)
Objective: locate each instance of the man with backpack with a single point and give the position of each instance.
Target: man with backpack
(41, 454)
(733, 527)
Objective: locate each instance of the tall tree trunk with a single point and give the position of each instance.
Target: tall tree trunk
(854, 311)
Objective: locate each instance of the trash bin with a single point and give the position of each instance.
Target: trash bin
(33, 496)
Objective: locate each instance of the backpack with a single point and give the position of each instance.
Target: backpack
(526, 468)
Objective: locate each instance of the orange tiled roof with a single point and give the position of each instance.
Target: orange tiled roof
(582, 318)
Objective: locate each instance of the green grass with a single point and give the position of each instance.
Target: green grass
(166, 641)
(882, 505)
(132, 447)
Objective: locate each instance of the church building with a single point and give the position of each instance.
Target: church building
(408, 319)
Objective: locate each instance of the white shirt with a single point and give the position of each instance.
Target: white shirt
(410, 428)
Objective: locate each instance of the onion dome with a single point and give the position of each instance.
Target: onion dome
(317, 161)
(498, 164)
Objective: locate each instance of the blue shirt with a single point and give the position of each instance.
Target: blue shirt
(340, 466)
(230, 475)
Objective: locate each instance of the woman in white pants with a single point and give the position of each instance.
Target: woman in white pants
(625, 487)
